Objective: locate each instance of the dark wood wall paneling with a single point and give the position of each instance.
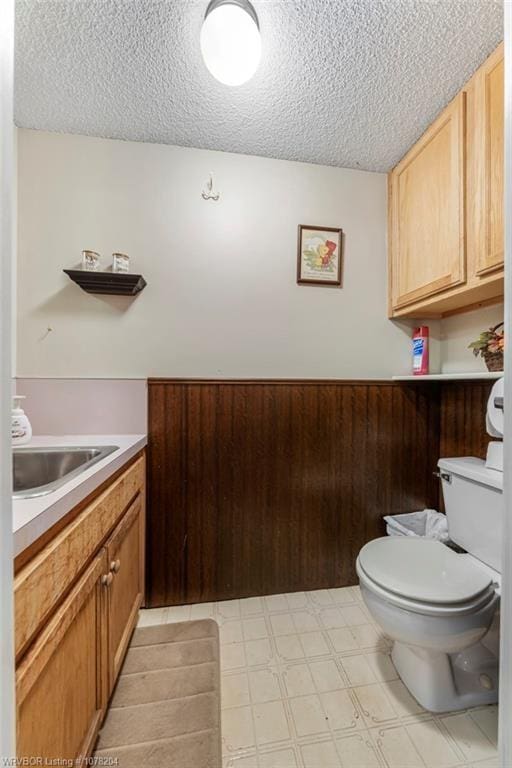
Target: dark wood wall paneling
(462, 428)
(273, 486)
(462, 421)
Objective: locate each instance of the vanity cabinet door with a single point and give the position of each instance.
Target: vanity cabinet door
(126, 579)
(61, 684)
(42, 583)
(427, 221)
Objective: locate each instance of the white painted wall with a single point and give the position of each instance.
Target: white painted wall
(457, 331)
(222, 298)
(85, 406)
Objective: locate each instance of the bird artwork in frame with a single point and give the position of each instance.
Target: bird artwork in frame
(319, 255)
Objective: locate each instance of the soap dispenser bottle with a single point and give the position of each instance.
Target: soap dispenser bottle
(21, 431)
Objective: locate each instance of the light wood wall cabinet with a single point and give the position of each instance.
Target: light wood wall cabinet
(485, 167)
(446, 205)
(76, 605)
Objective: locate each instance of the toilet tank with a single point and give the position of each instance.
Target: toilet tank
(473, 498)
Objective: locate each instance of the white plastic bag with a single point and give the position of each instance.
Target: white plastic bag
(427, 523)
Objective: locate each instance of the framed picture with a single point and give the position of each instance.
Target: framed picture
(319, 255)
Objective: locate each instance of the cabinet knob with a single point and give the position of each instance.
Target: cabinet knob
(107, 579)
(115, 565)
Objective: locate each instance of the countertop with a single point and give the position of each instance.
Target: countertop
(33, 517)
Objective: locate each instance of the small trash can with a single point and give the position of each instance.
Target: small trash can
(427, 523)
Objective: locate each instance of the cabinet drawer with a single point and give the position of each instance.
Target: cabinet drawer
(41, 585)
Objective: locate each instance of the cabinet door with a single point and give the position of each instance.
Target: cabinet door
(125, 559)
(42, 583)
(427, 221)
(61, 682)
(486, 128)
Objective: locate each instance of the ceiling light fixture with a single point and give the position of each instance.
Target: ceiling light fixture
(230, 41)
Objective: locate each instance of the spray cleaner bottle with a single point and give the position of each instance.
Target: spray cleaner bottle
(420, 351)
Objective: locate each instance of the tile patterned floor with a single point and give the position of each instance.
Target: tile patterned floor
(308, 682)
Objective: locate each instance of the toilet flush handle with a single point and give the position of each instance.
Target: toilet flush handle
(443, 476)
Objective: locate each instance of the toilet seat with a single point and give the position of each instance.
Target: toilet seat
(424, 576)
(426, 609)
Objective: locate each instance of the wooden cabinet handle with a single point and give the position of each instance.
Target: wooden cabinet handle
(107, 579)
(115, 565)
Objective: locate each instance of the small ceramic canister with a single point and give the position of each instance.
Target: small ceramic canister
(120, 262)
(90, 261)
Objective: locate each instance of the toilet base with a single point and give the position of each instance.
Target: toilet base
(443, 682)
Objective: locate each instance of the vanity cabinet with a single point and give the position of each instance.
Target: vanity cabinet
(446, 205)
(76, 605)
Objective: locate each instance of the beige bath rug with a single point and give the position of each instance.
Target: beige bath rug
(165, 711)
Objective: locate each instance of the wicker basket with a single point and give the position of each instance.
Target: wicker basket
(493, 360)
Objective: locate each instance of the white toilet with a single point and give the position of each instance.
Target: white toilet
(440, 607)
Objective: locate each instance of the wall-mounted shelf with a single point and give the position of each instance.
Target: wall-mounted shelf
(491, 375)
(112, 283)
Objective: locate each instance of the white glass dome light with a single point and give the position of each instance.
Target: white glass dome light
(230, 41)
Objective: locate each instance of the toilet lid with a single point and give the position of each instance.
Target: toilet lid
(422, 569)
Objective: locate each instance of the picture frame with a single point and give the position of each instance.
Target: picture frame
(319, 255)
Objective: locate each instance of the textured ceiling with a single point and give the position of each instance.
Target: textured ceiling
(342, 82)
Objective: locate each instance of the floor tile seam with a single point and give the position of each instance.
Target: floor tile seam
(441, 717)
